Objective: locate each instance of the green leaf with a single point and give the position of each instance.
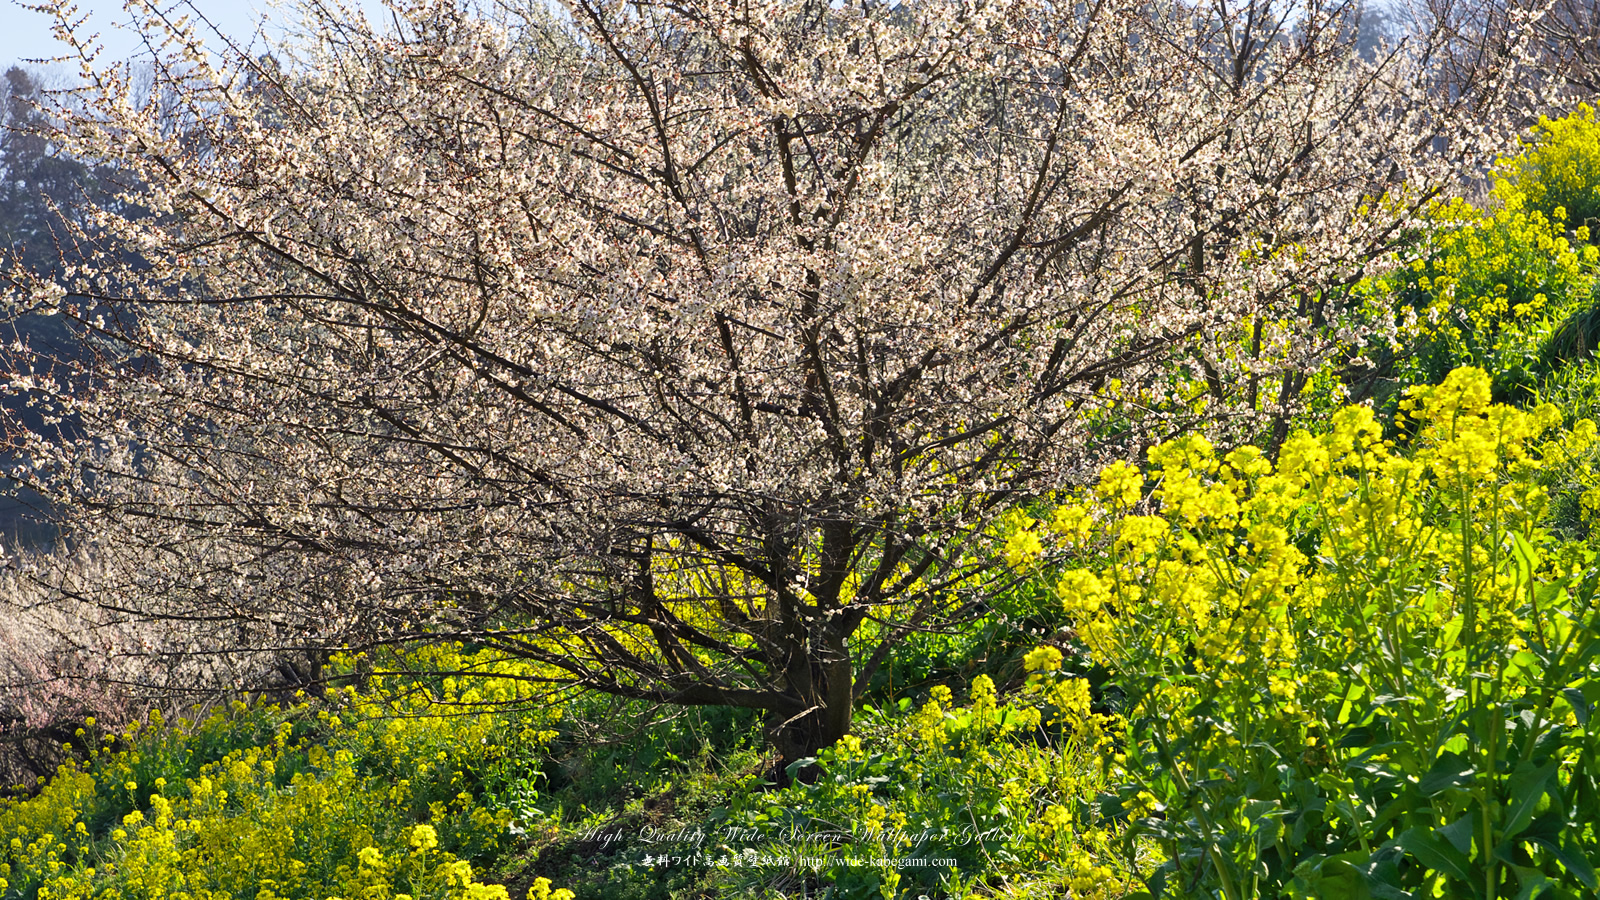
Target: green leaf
(1450, 633)
(1546, 825)
(1325, 877)
(1382, 876)
(1527, 558)
(1356, 737)
(793, 768)
(1528, 786)
(1354, 694)
(1532, 881)
(1435, 852)
(1449, 770)
(1573, 861)
(1398, 807)
(1579, 703)
(1363, 762)
(1458, 833)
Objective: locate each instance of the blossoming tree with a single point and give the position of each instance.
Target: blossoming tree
(691, 348)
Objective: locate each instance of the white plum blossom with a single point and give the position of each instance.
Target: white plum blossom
(690, 347)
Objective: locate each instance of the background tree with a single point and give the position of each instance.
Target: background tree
(38, 187)
(1570, 35)
(693, 350)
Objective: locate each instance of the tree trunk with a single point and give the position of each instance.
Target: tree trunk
(801, 737)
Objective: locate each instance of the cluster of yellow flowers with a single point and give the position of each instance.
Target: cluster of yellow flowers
(1004, 779)
(1497, 283)
(364, 794)
(995, 750)
(1480, 278)
(1244, 554)
(1560, 168)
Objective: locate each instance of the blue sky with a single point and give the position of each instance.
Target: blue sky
(25, 34)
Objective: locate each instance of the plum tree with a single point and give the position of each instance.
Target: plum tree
(692, 349)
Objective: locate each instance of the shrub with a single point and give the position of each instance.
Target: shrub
(1493, 291)
(1004, 790)
(365, 794)
(1510, 287)
(1356, 671)
(1558, 172)
(63, 659)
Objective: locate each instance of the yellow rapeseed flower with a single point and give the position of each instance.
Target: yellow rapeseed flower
(1121, 485)
(1042, 659)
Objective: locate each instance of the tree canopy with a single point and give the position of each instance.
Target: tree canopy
(692, 350)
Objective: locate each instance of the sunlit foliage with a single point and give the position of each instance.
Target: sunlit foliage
(368, 793)
(1353, 668)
